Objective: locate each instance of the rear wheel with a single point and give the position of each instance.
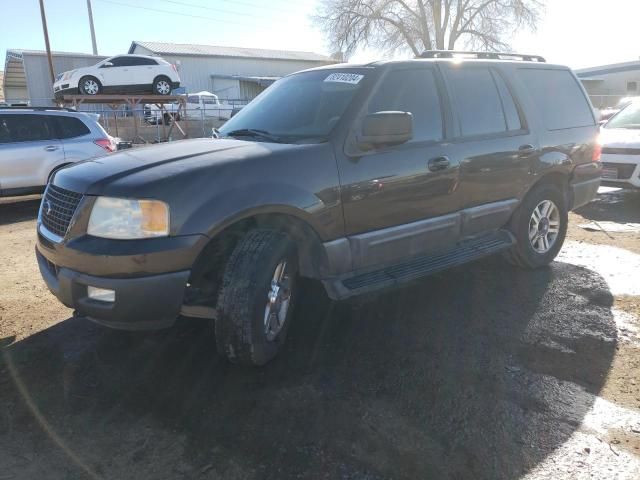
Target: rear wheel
(540, 227)
(89, 86)
(162, 86)
(256, 301)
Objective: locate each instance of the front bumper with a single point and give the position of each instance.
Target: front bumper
(60, 92)
(149, 277)
(626, 169)
(142, 303)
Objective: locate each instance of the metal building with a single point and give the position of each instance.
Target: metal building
(232, 73)
(607, 84)
(27, 78)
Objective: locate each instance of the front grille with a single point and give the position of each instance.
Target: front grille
(625, 170)
(58, 208)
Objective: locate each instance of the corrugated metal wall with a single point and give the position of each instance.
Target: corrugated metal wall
(196, 71)
(39, 84)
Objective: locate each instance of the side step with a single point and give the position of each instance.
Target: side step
(467, 251)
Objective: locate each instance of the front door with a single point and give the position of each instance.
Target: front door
(117, 75)
(402, 200)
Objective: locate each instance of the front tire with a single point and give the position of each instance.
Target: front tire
(162, 86)
(540, 227)
(256, 301)
(89, 86)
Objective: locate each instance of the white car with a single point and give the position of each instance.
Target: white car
(201, 105)
(121, 74)
(620, 140)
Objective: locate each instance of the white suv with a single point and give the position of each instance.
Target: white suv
(121, 74)
(620, 140)
(35, 143)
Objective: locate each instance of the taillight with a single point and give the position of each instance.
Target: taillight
(597, 152)
(175, 69)
(105, 143)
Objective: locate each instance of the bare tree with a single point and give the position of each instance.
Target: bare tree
(419, 25)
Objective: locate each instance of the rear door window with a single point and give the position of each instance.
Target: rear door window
(413, 91)
(70, 127)
(558, 97)
(25, 128)
(477, 101)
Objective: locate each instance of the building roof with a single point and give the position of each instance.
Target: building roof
(162, 48)
(19, 52)
(592, 72)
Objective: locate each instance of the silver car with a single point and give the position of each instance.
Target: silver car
(35, 143)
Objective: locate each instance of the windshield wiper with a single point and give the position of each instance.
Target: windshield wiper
(254, 132)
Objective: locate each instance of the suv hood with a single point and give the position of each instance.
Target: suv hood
(620, 138)
(145, 172)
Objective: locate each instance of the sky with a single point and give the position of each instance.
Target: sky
(578, 33)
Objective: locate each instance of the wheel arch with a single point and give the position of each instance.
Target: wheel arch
(209, 264)
(560, 180)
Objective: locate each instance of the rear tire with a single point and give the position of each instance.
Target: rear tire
(540, 226)
(162, 86)
(89, 86)
(254, 309)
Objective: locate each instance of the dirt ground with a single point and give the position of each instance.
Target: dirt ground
(481, 372)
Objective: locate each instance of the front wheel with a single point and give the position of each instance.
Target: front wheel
(256, 301)
(540, 227)
(89, 86)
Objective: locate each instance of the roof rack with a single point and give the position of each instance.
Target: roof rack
(481, 55)
(40, 109)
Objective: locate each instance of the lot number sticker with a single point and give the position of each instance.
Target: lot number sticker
(352, 78)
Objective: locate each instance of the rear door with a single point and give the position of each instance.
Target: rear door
(493, 141)
(401, 200)
(28, 151)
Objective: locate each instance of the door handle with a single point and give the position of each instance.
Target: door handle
(526, 149)
(439, 163)
(51, 148)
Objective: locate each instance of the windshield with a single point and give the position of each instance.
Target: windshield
(298, 108)
(629, 117)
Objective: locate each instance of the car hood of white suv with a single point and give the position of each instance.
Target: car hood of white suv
(620, 137)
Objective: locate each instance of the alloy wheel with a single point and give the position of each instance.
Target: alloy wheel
(544, 226)
(278, 301)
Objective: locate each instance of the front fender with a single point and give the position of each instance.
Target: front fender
(322, 211)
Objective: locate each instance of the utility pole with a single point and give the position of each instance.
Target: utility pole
(93, 31)
(46, 41)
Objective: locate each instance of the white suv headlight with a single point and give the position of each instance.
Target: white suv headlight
(127, 219)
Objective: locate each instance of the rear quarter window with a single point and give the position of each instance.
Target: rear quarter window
(70, 127)
(558, 97)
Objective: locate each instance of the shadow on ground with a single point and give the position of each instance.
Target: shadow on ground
(18, 210)
(622, 206)
(480, 372)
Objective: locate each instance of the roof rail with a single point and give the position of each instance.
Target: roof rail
(481, 55)
(39, 109)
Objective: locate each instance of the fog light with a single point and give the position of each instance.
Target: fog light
(101, 294)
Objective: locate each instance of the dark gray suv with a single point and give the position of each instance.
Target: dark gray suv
(360, 176)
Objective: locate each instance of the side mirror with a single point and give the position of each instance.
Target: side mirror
(385, 128)
(107, 65)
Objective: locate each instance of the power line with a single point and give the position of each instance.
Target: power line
(238, 2)
(202, 17)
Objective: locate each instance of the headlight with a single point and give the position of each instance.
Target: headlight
(126, 219)
(68, 75)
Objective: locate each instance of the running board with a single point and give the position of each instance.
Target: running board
(355, 284)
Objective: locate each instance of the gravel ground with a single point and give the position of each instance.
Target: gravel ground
(484, 371)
